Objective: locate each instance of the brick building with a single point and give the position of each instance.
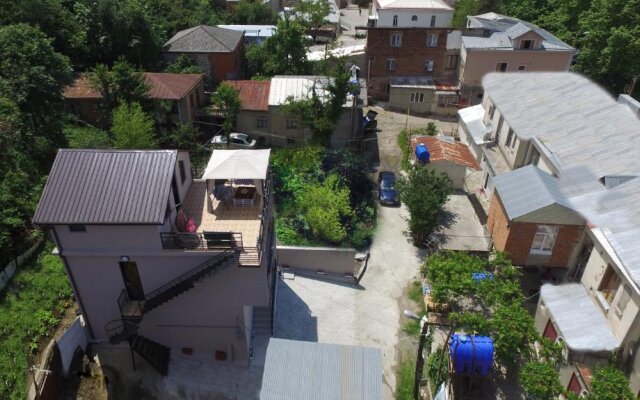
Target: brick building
(413, 67)
(541, 230)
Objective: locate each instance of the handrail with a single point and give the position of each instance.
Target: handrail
(123, 299)
(154, 293)
(198, 241)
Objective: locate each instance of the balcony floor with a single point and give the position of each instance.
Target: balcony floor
(225, 217)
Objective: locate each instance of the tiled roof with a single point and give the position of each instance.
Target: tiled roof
(444, 150)
(204, 39)
(107, 187)
(254, 95)
(163, 86)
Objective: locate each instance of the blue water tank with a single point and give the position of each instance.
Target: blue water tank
(479, 276)
(422, 153)
(471, 354)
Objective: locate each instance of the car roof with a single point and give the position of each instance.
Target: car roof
(387, 173)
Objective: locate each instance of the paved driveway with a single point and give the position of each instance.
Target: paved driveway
(368, 315)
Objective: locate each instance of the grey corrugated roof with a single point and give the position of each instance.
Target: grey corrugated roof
(107, 187)
(204, 39)
(498, 40)
(581, 324)
(528, 189)
(297, 370)
(513, 27)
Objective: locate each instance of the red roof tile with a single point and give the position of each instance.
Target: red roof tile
(443, 150)
(164, 86)
(254, 95)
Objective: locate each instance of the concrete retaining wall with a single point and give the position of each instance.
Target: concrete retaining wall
(327, 260)
(7, 272)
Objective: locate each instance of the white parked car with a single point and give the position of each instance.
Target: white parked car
(238, 141)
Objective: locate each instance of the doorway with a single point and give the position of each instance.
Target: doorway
(131, 278)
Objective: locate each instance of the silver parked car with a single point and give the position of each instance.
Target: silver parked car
(238, 141)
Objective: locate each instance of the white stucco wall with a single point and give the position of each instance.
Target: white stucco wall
(443, 18)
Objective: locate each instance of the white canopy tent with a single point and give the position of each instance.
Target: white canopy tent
(238, 164)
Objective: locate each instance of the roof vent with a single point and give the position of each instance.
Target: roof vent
(611, 181)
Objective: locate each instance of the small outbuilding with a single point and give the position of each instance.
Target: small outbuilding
(445, 155)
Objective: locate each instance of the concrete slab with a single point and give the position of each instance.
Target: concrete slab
(460, 227)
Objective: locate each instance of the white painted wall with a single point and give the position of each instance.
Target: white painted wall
(443, 18)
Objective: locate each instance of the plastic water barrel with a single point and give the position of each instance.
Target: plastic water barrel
(422, 153)
(471, 354)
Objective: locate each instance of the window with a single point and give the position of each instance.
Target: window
(183, 173)
(417, 97)
(527, 44)
(292, 124)
(447, 100)
(414, 17)
(261, 122)
(77, 228)
(433, 21)
(432, 40)
(451, 62)
(396, 40)
(522, 67)
(499, 129)
(391, 64)
(492, 111)
(428, 65)
(510, 141)
(625, 296)
(395, 20)
(544, 239)
(501, 67)
(609, 284)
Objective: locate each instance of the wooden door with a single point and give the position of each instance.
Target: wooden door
(550, 332)
(132, 282)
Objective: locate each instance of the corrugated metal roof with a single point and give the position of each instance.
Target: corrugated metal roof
(252, 30)
(528, 189)
(443, 150)
(107, 187)
(297, 370)
(517, 30)
(204, 39)
(299, 88)
(254, 95)
(420, 82)
(580, 322)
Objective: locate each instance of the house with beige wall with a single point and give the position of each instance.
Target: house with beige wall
(554, 161)
(508, 45)
(159, 259)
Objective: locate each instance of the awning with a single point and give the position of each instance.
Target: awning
(237, 164)
(581, 324)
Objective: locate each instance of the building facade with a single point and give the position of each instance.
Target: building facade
(154, 259)
(410, 14)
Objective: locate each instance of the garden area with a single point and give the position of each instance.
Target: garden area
(323, 197)
(31, 308)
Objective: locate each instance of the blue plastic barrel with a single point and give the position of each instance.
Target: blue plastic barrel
(422, 153)
(478, 276)
(471, 354)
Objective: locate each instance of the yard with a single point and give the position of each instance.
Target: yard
(31, 308)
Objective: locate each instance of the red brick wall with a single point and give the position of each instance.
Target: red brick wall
(225, 64)
(516, 238)
(410, 56)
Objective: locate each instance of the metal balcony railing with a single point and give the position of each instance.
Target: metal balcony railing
(201, 240)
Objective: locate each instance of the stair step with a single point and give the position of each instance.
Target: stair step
(156, 354)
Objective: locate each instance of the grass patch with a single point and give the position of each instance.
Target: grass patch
(30, 310)
(405, 378)
(403, 143)
(412, 327)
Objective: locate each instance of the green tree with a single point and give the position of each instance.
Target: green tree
(120, 84)
(86, 137)
(132, 128)
(609, 383)
(312, 14)
(252, 12)
(183, 65)
(540, 381)
(284, 53)
(465, 8)
(424, 192)
(227, 100)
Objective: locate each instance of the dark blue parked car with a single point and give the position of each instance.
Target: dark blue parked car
(387, 192)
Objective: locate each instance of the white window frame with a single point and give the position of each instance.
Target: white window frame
(416, 97)
(432, 40)
(391, 64)
(428, 65)
(544, 239)
(396, 39)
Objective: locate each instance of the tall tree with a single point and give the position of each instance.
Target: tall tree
(312, 14)
(252, 12)
(227, 100)
(284, 53)
(132, 128)
(609, 383)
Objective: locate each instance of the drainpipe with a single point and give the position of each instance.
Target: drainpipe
(72, 280)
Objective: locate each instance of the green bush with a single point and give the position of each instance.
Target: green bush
(432, 129)
(30, 310)
(540, 381)
(85, 137)
(403, 143)
(609, 383)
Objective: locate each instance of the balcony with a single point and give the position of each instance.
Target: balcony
(235, 222)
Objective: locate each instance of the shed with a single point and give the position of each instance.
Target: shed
(296, 370)
(448, 156)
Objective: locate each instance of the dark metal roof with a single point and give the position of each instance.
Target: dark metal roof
(204, 39)
(107, 187)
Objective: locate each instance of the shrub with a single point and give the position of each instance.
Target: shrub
(432, 129)
(403, 143)
(540, 381)
(609, 383)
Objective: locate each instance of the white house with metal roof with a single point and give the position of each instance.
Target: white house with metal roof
(410, 14)
(587, 144)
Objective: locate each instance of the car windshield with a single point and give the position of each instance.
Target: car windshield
(388, 184)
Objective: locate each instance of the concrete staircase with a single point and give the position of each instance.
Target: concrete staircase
(262, 321)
